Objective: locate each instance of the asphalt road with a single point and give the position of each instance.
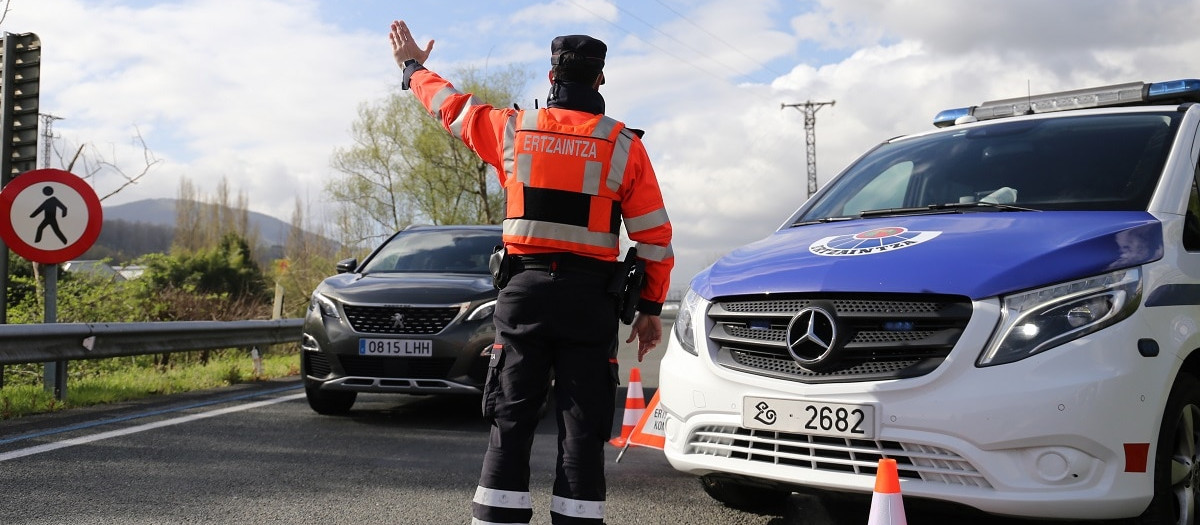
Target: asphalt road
(256, 453)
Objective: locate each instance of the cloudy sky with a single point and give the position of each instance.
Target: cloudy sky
(261, 92)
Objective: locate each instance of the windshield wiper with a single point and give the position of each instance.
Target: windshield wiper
(823, 220)
(950, 207)
(980, 204)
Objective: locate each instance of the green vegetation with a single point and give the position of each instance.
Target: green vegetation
(127, 378)
(220, 283)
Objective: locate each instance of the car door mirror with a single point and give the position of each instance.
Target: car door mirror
(347, 265)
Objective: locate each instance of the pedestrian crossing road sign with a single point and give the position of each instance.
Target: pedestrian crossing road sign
(49, 216)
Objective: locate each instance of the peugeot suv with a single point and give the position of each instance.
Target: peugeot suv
(415, 317)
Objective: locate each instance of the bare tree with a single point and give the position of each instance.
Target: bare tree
(92, 163)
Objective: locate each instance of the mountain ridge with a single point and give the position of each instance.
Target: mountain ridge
(162, 212)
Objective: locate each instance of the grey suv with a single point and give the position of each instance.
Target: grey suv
(414, 318)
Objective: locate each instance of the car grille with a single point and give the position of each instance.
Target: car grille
(886, 336)
(400, 320)
(396, 367)
(852, 456)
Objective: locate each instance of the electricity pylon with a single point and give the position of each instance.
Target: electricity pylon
(809, 108)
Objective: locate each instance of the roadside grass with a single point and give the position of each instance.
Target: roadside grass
(136, 379)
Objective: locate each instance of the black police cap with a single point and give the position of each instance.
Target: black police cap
(582, 45)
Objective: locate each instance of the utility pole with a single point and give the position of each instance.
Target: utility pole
(809, 108)
(47, 137)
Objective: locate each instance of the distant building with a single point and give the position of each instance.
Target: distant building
(102, 270)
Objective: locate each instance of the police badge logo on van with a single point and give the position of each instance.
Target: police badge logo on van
(877, 240)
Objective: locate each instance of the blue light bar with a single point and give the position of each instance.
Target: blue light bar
(1186, 88)
(947, 116)
(1132, 93)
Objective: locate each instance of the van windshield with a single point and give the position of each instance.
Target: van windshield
(1092, 162)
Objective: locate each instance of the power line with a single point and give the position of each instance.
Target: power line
(647, 42)
(717, 37)
(672, 37)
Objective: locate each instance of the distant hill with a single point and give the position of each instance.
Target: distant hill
(148, 226)
(161, 212)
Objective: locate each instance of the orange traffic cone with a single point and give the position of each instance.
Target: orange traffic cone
(635, 406)
(887, 508)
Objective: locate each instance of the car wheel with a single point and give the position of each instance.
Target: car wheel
(329, 402)
(1177, 461)
(743, 496)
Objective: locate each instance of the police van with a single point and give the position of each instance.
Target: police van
(1007, 305)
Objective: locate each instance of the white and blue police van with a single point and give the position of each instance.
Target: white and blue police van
(1007, 305)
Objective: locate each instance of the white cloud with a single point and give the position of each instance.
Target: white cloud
(262, 91)
(258, 91)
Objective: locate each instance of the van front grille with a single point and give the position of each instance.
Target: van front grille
(881, 336)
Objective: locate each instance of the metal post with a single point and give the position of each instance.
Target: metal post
(56, 371)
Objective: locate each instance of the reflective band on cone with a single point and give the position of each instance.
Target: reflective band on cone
(635, 406)
(887, 507)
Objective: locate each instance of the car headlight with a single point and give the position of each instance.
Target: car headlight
(1038, 320)
(482, 311)
(690, 312)
(325, 304)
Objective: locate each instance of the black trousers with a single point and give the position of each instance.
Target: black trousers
(563, 325)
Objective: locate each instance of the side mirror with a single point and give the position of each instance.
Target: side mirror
(347, 265)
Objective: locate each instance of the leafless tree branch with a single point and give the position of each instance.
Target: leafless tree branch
(90, 166)
(7, 8)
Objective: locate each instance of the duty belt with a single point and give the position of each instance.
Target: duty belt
(563, 262)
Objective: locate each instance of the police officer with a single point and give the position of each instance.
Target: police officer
(571, 177)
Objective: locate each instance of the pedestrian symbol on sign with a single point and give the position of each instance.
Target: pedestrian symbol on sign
(49, 209)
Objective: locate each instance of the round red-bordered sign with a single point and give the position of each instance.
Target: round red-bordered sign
(49, 216)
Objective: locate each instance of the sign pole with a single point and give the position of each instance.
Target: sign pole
(50, 216)
(56, 371)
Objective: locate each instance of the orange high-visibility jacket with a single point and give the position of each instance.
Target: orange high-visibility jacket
(570, 178)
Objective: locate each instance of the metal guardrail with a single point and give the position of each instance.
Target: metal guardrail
(37, 343)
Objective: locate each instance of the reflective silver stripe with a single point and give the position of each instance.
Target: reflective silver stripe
(653, 252)
(559, 232)
(507, 499)
(524, 168)
(529, 121)
(477, 521)
(456, 126)
(591, 177)
(646, 221)
(577, 508)
(620, 155)
(510, 147)
(435, 107)
(604, 128)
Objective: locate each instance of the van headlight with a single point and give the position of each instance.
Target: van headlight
(1038, 320)
(691, 311)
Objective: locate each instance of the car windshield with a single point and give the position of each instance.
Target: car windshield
(449, 251)
(1094, 162)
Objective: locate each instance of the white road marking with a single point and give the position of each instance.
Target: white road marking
(5, 456)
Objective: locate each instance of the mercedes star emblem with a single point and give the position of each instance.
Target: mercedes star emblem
(811, 335)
